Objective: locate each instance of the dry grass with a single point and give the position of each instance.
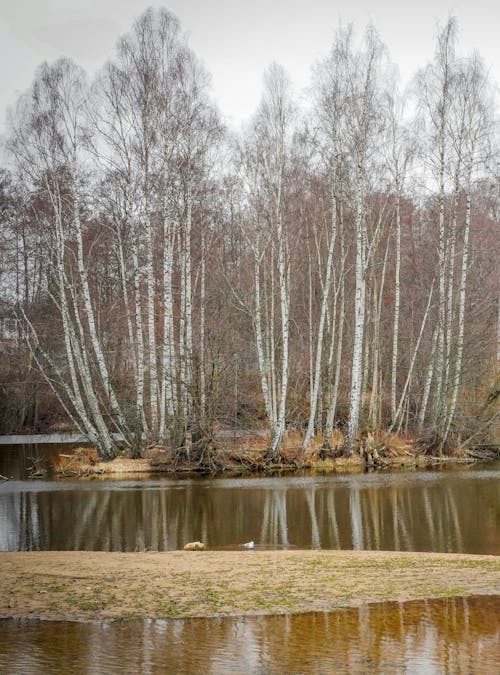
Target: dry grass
(90, 586)
(246, 452)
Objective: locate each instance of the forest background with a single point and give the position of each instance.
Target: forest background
(330, 269)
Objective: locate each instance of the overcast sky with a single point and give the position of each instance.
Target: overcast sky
(236, 39)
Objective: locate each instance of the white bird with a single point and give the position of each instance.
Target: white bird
(249, 544)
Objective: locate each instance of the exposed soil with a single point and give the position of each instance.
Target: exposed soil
(99, 586)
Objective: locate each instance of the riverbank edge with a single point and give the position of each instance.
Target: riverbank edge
(82, 465)
(103, 587)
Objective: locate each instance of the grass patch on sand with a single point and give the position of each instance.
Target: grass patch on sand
(106, 586)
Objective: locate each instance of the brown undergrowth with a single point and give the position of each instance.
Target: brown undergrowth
(248, 453)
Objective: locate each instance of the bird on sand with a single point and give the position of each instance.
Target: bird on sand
(249, 544)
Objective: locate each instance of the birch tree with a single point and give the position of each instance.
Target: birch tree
(158, 127)
(399, 152)
(362, 70)
(436, 87)
(270, 137)
(330, 93)
(471, 136)
(47, 139)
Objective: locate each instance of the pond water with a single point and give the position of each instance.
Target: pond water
(452, 635)
(450, 510)
(456, 509)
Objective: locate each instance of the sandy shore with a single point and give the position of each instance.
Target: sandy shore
(99, 586)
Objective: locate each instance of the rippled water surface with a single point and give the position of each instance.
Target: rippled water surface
(454, 635)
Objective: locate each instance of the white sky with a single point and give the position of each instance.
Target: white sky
(236, 39)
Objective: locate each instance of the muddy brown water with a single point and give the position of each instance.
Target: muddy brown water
(454, 510)
(451, 635)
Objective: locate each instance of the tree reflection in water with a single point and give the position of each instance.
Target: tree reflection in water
(450, 635)
(412, 512)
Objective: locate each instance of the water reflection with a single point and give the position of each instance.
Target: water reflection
(453, 635)
(429, 511)
(274, 530)
(18, 462)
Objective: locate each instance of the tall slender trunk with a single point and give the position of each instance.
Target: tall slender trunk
(450, 287)
(181, 389)
(167, 407)
(153, 364)
(257, 322)
(203, 397)
(103, 441)
(330, 417)
(409, 375)
(128, 318)
(321, 327)
(442, 123)
(395, 330)
(376, 395)
(188, 303)
(95, 427)
(310, 326)
(461, 317)
(285, 308)
(272, 349)
(101, 362)
(428, 381)
(359, 313)
(439, 367)
(140, 415)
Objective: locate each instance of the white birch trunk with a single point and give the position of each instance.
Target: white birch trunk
(152, 361)
(284, 307)
(330, 419)
(168, 348)
(397, 291)
(445, 46)
(428, 381)
(141, 423)
(263, 362)
(188, 302)
(272, 350)
(450, 288)
(101, 363)
(123, 277)
(310, 326)
(375, 399)
(104, 442)
(461, 317)
(203, 402)
(359, 313)
(81, 420)
(181, 249)
(321, 327)
(412, 364)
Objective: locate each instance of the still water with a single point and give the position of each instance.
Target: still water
(451, 510)
(452, 635)
(455, 510)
